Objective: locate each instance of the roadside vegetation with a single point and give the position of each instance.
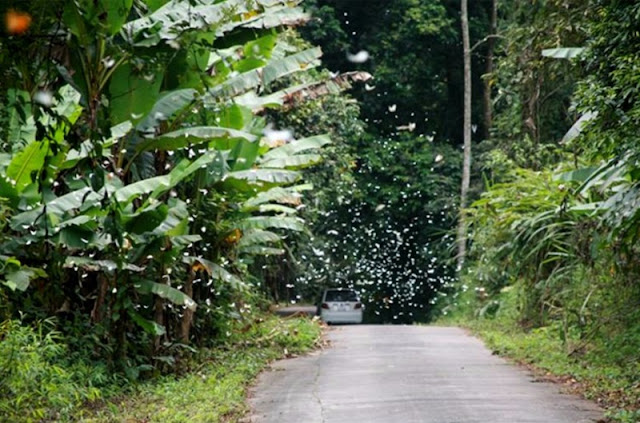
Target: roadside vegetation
(142, 184)
(552, 274)
(210, 384)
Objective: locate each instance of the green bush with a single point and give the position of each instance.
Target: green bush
(35, 383)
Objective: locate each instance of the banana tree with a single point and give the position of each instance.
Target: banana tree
(148, 177)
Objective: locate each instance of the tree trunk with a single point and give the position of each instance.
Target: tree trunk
(491, 42)
(466, 166)
(97, 312)
(187, 316)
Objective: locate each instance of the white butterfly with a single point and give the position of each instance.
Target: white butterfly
(360, 57)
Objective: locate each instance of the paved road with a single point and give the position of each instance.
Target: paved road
(407, 374)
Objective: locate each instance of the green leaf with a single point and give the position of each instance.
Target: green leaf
(265, 175)
(27, 162)
(167, 292)
(277, 222)
(148, 326)
(289, 195)
(97, 265)
(146, 219)
(21, 126)
(117, 12)
(81, 17)
(262, 47)
(214, 270)
(19, 279)
(9, 191)
(576, 128)
(158, 185)
(178, 17)
(263, 251)
(188, 67)
(132, 95)
(166, 106)
(76, 221)
(74, 21)
(175, 224)
(69, 106)
(236, 117)
(266, 75)
(183, 241)
(297, 162)
(563, 52)
(76, 237)
(84, 197)
(284, 16)
(244, 155)
(246, 65)
(300, 61)
(191, 136)
(258, 236)
(295, 147)
(308, 91)
(257, 103)
(154, 5)
(578, 175)
(276, 208)
(117, 132)
(185, 169)
(135, 190)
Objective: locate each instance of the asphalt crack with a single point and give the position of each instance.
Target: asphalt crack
(314, 391)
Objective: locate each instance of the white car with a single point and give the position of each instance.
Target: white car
(341, 306)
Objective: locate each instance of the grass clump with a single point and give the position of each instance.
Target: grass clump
(37, 381)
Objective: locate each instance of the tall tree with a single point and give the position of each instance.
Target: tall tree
(486, 94)
(466, 163)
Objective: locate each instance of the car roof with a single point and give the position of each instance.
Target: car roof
(340, 289)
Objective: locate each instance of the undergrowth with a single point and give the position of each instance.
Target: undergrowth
(41, 380)
(213, 388)
(38, 382)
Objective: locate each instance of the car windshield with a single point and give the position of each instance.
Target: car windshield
(341, 296)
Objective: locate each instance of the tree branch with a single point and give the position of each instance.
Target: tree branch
(485, 39)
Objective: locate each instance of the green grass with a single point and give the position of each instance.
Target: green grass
(38, 381)
(215, 388)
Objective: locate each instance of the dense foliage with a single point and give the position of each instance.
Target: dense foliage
(554, 236)
(388, 234)
(415, 56)
(139, 180)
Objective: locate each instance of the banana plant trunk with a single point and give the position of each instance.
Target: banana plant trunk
(187, 316)
(97, 313)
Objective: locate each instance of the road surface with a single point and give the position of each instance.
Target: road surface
(406, 374)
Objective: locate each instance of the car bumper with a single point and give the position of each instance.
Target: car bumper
(330, 316)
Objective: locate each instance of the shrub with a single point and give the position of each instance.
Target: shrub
(34, 382)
